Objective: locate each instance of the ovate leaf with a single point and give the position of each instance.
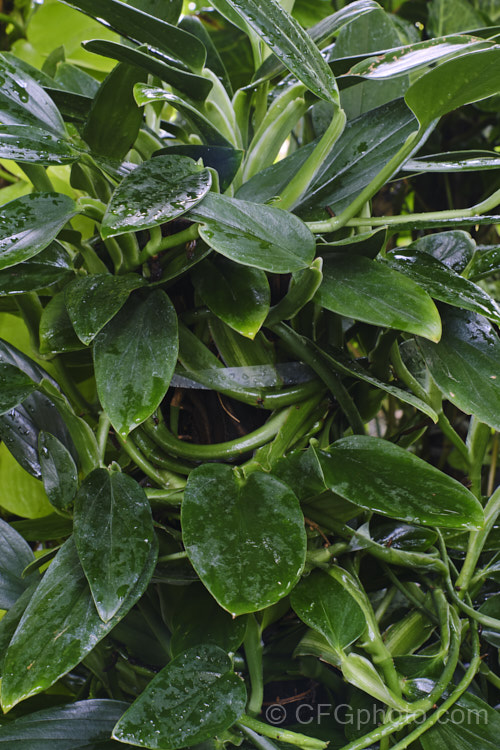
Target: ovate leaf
(15, 387)
(193, 698)
(386, 479)
(246, 540)
(16, 555)
(470, 725)
(114, 536)
(135, 356)
(59, 471)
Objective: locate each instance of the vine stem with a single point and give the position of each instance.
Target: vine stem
(284, 735)
(477, 540)
(157, 243)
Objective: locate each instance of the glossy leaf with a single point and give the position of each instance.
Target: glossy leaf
(324, 604)
(155, 192)
(135, 356)
(443, 284)
(26, 143)
(85, 724)
(93, 300)
(16, 555)
(193, 698)
(366, 290)
(454, 161)
(165, 10)
(114, 536)
(44, 270)
(289, 42)
(226, 161)
(386, 479)
(59, 471)
(246, 540)
(136, 24)
(238, 295)
(465, 364)
(15, 387)
(267, 238)
(472, 725)
(448, 16)
(56, 332)
(461, 80)
(29, 224)
(24, 102)
(59, 627)
(455, 248)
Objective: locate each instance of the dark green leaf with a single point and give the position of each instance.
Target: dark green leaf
(289, 42)
(471, 724)
(56, 331)
(114, 537)
(12, 618)
(465, 364)
(24, 102)
(456, 82)
(196, 87)
(226, 161)
(491, 608)
(238, 295)
(267, 238)
(325, 605)
(366, 290)
(155, 192)
(26, 143)
(59, 471)
(245, 540)
(193, 25)
(136, 24)
(60, 626)
(73, 79)
(93, 300)
(450, 16)
(44, 270)
(386, 479)
(195, 697)
(165, 10)
(15, 387)
(44, 529)
(16, 555)
(455, 249)
(135, 356)
(454, 161)
(77, 725)
(486, 262)
(114, 120)
(30, 223)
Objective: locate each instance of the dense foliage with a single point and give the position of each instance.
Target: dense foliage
(250, 374)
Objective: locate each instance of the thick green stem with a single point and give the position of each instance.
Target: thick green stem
(284, 735)
(253, 654)
(31, 309)
(477, 540)
(38, 177)
(157, 243)
(165, 479)
(102, 434)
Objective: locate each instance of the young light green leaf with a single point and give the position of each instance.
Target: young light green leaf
(193, 698)
(30, 223)
(59, 627)
(386, 479)
(114, 536)
(366, 290)
(59, 471)
(155, 192)
(254, 235)
(16, 555)
(466, 364)
(238, 295)
(324, 604)
(245, 540)
(134, 357)
(92, 301)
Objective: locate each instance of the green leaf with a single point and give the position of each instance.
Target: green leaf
(114, 536)
(59, 471)
(471, 724)
(56, 332)
(26, 143)
(44, 270)
(289, 42)
(454, 83)
(465, 364)
(245, 540)
(267, 238)
(24, 102)
(155, 192)
(193, 698)
(135, 24)
(226, 161)
(114, 120)
(85, 724)
(59, 628)
(15, 387)
(366, 290)
(324, 604)
(198, 619)
(384, 478)
(238, 295)
(196, 87)
(135, 356)
(16, 555)
(454, 161)
(165, 10)
(450, 16)
(92, 301)
(455, 249)
(30, 223)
